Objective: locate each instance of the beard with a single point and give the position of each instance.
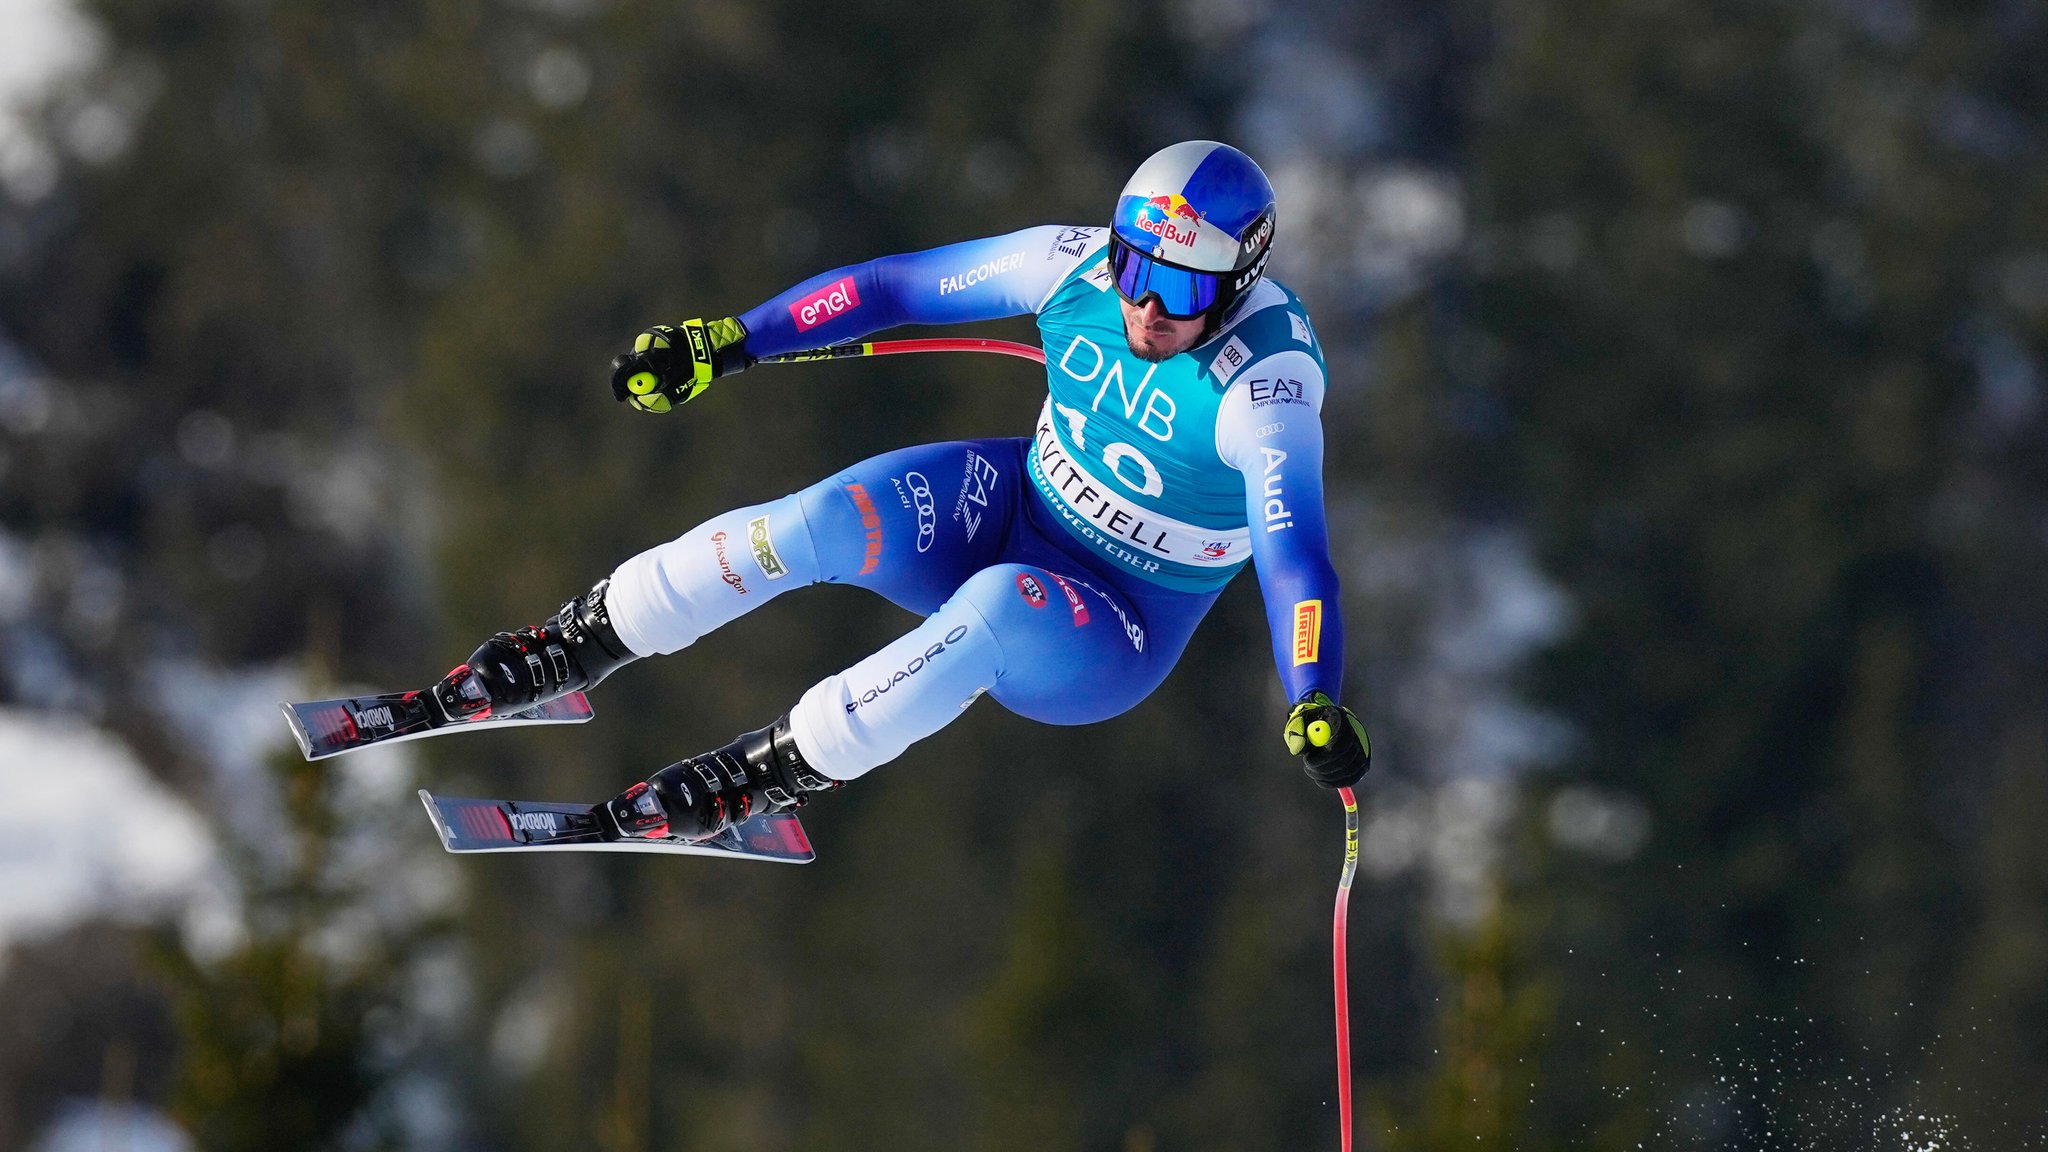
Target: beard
(1157, 350)
(1150, 353)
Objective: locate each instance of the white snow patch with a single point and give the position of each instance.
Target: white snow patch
(1598, 822)
(230, 720)
(526, 1028)
(86, 831)
(384, 850)
(46, 41)
(96, 1125)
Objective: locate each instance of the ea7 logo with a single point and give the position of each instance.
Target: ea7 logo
(1072, 241)
(974, 489)
(533, 821)
(1266, 392)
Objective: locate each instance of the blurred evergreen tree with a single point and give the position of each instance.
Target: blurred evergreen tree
(1758, 278)
(326, 318)
(1487, 1068)
(1756, 304)
(276, 1045)
(81, 1016)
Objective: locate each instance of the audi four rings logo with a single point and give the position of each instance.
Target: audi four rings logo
(927, 524)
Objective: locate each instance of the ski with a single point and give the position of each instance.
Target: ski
(330, 727)
(467, 824)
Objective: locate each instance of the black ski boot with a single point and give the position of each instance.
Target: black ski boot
(513, 671)
(698, 798)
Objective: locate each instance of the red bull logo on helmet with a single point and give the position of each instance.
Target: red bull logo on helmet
(1169, 217)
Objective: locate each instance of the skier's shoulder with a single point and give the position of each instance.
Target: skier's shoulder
(1269, 332)
(1071, 255)
(1066, 243)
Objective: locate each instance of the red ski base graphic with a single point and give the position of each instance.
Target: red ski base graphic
(467, 824)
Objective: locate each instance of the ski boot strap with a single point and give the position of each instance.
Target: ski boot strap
(586, 627)
(784, 773)
(704, 795)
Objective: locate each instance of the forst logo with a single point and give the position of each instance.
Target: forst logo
(1171, 218)
(764, 549)
(834, 299)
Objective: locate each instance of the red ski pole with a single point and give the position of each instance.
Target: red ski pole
(899, 347)
(1338, 932)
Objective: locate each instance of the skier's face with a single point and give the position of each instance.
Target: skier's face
(1155, 336)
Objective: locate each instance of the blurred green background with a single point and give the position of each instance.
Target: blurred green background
(1686, 477)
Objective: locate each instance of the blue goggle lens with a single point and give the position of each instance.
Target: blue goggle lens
(1183, 294)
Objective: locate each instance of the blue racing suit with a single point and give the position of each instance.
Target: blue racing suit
(1061, 573)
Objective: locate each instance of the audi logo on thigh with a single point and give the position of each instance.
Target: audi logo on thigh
(927, 521)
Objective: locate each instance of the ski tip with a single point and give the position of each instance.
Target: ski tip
(434, 814)
(298, 726)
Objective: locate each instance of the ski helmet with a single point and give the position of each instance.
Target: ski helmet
(1192, 229)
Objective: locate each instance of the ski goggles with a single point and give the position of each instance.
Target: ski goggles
(1183, 293)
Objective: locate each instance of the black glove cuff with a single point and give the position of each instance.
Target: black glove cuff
(731, 357)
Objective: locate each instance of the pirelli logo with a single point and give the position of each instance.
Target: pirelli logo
(1308, 631)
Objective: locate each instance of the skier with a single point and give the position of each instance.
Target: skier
(1060, 573)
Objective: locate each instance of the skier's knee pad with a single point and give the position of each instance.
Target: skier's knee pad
(867, 715)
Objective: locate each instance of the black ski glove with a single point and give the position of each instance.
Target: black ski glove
(671, 363)
(1330, 739)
